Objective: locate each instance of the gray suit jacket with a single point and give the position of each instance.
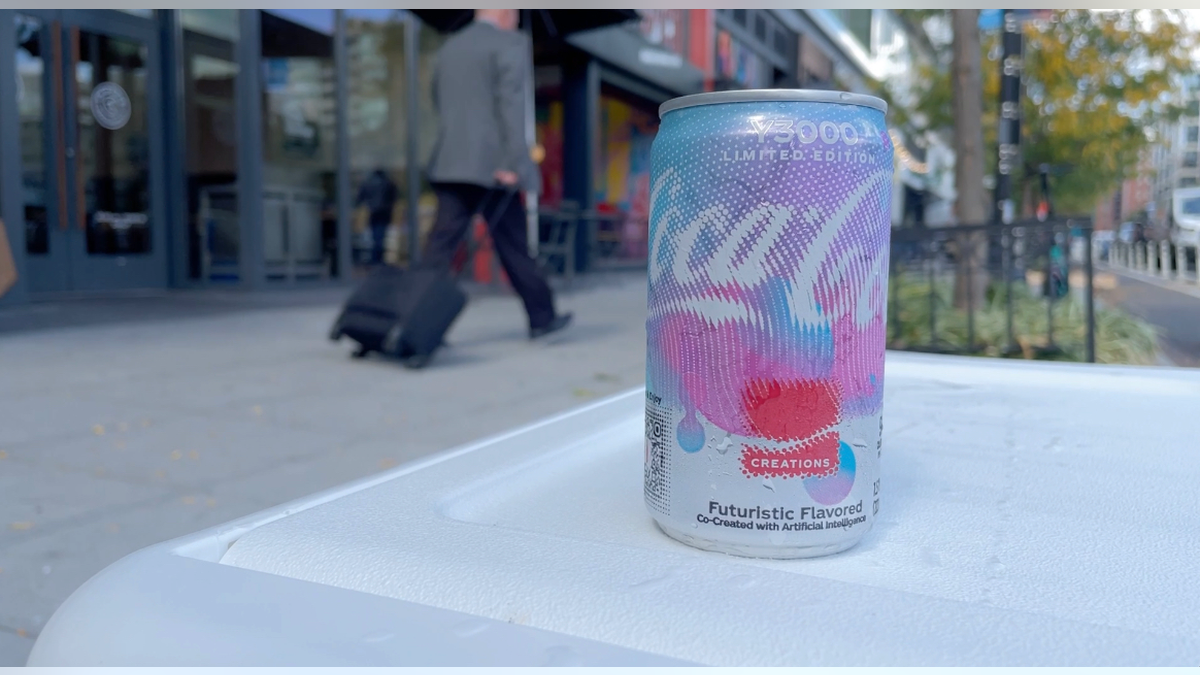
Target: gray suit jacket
(479, 91)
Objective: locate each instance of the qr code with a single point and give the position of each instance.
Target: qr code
(658, 458)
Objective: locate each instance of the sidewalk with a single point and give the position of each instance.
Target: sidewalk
(118, 434)
(1170, 305)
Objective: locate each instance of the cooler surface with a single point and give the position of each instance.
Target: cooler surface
(1032, 514)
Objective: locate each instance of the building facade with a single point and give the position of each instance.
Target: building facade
(180, 148)
(186, 148)
(1175, 154)
(1133, 201)
(877, 45)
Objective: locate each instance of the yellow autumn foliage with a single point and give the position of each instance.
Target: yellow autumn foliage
(1094, 82)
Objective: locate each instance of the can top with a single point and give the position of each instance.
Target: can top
(756, 95)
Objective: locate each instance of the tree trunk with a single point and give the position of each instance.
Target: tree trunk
(971, 275)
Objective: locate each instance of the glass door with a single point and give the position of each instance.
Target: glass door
(91, 150)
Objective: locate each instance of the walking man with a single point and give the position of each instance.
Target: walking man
(482, 155)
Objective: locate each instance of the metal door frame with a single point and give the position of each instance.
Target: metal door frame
(99, 272)
(11, 206)
(68, 260)
(50, 272)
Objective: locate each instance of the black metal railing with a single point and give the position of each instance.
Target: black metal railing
(1024, 289)
(598, 239)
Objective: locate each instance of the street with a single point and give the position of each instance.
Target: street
(1171, 306)
(125, 423)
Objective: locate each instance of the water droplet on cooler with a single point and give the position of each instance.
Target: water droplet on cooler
(996, 566)
(695, 525)
(768, 484)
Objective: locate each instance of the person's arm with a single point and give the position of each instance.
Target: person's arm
(512, 72)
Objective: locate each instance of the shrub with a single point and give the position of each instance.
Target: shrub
(1120, 337)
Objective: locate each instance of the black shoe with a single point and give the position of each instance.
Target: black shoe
(556, 324)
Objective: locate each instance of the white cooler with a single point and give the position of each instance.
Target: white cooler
(1032, 514)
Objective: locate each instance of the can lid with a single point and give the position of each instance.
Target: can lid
(756, 95)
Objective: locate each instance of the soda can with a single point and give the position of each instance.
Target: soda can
(770, 220)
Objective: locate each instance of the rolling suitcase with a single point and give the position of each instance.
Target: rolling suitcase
(404, 313)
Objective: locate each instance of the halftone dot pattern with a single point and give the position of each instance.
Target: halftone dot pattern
(830, 490)
(767, 262)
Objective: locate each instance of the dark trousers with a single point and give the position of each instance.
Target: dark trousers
(457, 204)
(379, 228)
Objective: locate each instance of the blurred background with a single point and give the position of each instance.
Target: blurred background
(179, 194)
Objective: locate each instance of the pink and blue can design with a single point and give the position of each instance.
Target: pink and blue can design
(769, 249)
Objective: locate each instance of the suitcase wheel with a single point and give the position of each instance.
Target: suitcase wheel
(391, 343)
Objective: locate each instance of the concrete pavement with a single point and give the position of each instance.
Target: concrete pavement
(126, 423)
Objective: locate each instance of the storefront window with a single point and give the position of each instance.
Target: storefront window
(299, 144)
(739, 66)
(113, 152)
(31, 107)
(548, 111)
(429, 42)
(377, 118)
(550, 138)
(666, 28)
(628, 127)
(756, 51)
(816, 68)
(210, 103)
(858, 22)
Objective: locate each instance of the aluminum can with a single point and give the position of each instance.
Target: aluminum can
(770, 220)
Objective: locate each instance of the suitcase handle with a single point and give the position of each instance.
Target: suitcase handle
(501, 195)
(506, 195)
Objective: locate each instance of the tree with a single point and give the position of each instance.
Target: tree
(1096, 83)
(970, 283)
